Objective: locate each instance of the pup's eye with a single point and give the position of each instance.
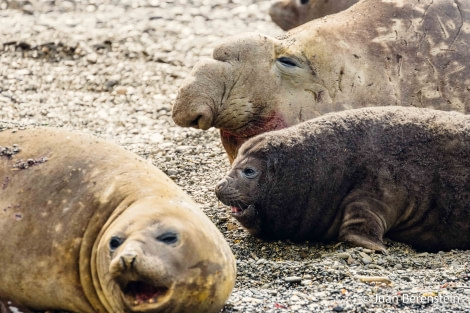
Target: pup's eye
(248, 172)
(168, 238)
(115, 242)
(287, 62)
(304, 1)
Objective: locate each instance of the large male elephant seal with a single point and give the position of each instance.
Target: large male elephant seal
(88, 227)
(356, 176)
(377, 52)
(288, 14)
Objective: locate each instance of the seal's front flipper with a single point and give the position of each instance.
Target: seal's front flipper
(362, 226)
(363, 241)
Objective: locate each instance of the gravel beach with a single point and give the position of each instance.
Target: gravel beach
(112, 68)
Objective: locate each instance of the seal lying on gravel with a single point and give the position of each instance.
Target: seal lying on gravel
(375, 53)
(89, 227)
(356, 176)
(288, 14)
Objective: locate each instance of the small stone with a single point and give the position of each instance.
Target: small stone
(293, 279)
(406, 278)
(166, 145)
(365, 257)
(171, 172)
(343, 255)
(181, 149)
(306, 282)
(92, 58)
(338, 308)
(295, 298)
(110, 84)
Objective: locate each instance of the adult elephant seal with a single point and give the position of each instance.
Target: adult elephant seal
(288, 14)
(89, 227)
(405, 52)
(356, 176)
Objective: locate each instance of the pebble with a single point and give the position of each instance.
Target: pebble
(343, 255)
(306, 282)
(92, 58)
(293, 279)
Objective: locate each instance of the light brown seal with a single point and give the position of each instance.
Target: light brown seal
(406, 52)
(356, 176)
(288, 14)
(88, 227)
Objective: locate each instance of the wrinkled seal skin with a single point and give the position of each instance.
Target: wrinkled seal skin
(356, 176)
(288, 14)
(376, 53)
(87, 227)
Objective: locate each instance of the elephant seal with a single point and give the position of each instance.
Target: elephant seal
(356, 176)
(376, 53)
(87, 227)
(288, 14)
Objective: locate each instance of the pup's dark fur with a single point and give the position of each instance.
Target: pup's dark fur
(356, 176)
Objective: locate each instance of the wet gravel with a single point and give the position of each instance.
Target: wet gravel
(112, 68)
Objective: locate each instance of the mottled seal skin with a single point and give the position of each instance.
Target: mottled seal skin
(376, 53)
(288, 14)
(87, 227)
(356, 176)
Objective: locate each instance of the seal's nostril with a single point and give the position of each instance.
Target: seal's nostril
(195, 123)
(220, 186)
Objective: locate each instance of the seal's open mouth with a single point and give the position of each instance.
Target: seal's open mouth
(138, 294)
(238, 211)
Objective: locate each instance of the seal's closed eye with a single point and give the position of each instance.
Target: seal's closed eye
(168, 238)
(287, 62)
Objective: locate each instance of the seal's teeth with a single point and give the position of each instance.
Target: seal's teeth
(136, 302)
(151, 300)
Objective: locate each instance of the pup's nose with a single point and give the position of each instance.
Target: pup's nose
(221, 186)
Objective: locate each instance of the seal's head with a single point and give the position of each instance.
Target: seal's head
(254, 190)
(253, 84)
(288, 14)
(154, 261)
(243, 190)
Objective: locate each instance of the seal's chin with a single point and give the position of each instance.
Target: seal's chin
(240, 134)
(143, 297)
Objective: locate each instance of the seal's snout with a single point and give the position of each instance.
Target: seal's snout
(221, 186)
(194, 113)
(284, 14)
(128, 260)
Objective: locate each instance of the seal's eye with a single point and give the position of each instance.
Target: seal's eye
(115, 242)
(287, 62)
(249, 173)
(168, 238)
(304, 1)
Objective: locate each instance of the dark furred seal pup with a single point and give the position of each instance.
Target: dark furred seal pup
(89, 227)
(356, 176)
